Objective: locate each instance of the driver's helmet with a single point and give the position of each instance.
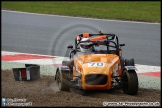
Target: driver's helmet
(86, 46)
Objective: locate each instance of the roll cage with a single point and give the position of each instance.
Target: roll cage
(99, 39)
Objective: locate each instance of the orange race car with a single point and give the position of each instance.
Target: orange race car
(96, 63)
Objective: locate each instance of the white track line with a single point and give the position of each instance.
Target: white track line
(13, 53)
(59, 59)
(46, 61)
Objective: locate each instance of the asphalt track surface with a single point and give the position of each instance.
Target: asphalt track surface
(50, 35)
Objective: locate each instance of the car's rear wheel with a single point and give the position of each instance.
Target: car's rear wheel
(63, 80)
(129, 62)
(69, 64)
(130, 82)
(66, 63)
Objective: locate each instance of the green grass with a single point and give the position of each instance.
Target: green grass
(124, 10)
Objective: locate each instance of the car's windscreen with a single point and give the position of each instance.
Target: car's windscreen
(104, 47)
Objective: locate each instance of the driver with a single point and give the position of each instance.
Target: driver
(86, 47)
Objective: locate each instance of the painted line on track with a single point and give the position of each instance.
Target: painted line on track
(23, 57)
(146, 70)
(155, 74)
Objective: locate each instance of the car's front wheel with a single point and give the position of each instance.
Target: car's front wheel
(130, 82)
(63, 80)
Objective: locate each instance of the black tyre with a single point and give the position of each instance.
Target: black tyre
(130, 82)
(129, 62)
(63, 80)
(66, 63)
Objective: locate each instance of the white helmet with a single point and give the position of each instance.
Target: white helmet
(86, 46)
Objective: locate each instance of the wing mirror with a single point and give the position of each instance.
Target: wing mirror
(122, 44)
(70, 46)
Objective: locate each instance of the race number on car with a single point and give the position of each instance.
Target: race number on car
(96, 64)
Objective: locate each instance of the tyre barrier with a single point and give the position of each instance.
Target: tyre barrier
(31, 72)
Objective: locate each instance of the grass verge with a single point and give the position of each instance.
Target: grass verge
(147, 11)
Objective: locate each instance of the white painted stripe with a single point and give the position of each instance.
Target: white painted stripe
(147, 68)
(81, 17)
(59, 59)
(42, 61)
(13, 53)
(140, 68)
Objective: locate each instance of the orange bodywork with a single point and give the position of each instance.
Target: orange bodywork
(98, 38)
(96, 64)
(85, 35)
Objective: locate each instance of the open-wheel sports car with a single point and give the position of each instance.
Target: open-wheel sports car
(103, 68)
